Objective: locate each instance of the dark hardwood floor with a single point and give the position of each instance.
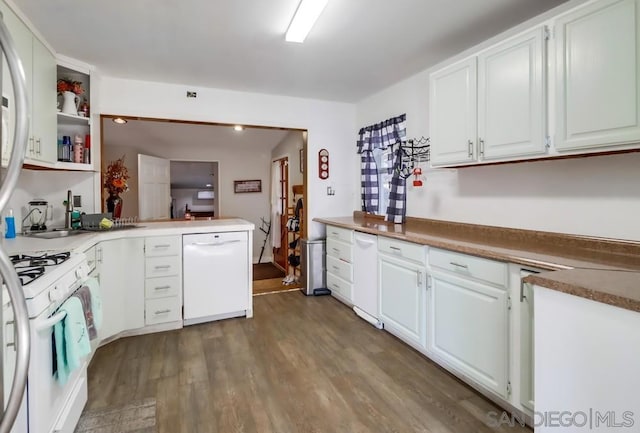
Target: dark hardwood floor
(302, 364)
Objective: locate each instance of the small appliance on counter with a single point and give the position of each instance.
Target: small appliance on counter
(38, 209)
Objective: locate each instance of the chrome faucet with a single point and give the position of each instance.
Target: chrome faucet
(68, 210)
(24, 228)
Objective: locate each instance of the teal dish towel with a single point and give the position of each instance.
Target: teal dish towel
(72, 338)
(96, 301)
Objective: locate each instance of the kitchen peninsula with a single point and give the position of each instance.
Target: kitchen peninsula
(126, 262)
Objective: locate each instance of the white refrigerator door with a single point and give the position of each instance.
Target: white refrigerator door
(215, 274)
(365, 275)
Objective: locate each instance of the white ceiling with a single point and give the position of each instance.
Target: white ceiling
(356, 48)
(166, 134)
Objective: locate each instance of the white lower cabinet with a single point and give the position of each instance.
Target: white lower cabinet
(340, 263)
(162, 280)
(402, 295)
(120, 269)
(468, 320)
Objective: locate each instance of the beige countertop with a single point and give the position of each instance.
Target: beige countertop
(81, 241)
(603, 270)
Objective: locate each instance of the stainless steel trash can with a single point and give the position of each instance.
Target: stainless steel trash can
(312, 265)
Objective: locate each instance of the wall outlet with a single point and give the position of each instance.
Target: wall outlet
(191, 94)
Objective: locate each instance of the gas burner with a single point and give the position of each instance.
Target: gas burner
(27, 261)
(29, 275)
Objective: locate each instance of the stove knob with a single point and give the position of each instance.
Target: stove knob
(55, 294)
(80, 273)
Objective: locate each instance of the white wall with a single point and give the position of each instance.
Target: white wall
(330, 125)
(51, 186)
(595, 196)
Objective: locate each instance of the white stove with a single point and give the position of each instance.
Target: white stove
(49, 278)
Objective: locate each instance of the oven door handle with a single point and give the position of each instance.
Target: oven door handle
(51, 321)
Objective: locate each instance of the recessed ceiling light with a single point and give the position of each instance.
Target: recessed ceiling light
(303, 20)
(119, 120)
(208, 185)
(238, 128)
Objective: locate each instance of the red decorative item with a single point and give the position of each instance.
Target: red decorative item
(417, 172)
(323, 164)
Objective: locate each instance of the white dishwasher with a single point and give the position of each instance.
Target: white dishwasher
(365, 278)
(215, 276)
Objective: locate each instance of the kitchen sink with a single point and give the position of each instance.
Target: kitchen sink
(55, 234)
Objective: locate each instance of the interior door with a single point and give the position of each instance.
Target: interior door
(154, 188)
(280, 253)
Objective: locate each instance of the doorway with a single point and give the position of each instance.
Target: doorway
(280, 193)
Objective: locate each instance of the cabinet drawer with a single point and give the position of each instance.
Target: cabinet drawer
(161, 287)
(340, 268)
(339, 286)
(340, 234)
(162, 246)
(161, 266)
(481, 269)
(339, 250)
(162, 310)
(407, 250)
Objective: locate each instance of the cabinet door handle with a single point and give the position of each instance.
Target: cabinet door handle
(31, 145)
(167, 287)
(162, 311)
(522, 295)
(481, 142)
(161, 246)
(458, 265)
(38, 147)
(159, 267)
(99, 255)
(429, 281)
(419, 278)
(470, 143)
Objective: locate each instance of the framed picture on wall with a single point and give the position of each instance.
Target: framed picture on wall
(301, 160)
(240, 186)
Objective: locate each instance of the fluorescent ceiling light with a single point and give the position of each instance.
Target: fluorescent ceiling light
(238, 128)
(305, 17)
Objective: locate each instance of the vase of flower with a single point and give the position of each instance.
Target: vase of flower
(114, 205)
(70, 103)
(116, 179)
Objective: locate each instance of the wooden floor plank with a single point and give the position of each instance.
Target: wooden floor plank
(302, 364)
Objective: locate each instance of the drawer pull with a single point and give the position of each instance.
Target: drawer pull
(162, 311)
(396, 250)
(162, 246)
(459, 265)
(335, 233)
(335, 250)
(162, 267)
(167, 287)
(335, 267)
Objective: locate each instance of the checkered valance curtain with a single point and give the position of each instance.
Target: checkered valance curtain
(383, 136)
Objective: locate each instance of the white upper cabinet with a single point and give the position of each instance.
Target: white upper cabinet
(511, 97)
(453, 113)
(490, 106)
(597, 76)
